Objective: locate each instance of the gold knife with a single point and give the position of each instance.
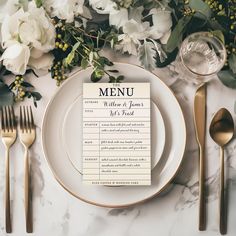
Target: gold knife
(200, 128)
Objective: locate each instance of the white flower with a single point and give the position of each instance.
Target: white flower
(15, 58)
(8, 7)
(10, 27)
(38, 30)
(43, 62)
(133, 32)
(103, 6)
(162, 23)
(117, 17)
(32, 28)
(65, 9)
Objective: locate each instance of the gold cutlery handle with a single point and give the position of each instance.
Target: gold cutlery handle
(223, 227)
(202, 200)
(28, 212)
(7, 194)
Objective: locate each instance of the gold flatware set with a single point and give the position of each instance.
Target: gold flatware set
(27, 134)
(221, 131)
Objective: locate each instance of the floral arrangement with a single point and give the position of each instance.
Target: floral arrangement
(58, 35)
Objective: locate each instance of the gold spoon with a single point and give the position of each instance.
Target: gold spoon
(222, 131)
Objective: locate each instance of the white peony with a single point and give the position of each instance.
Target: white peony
(66, 9)
(32, 28)
(10, 27)
(162, 23)
(15, 58)
(27, 37)
(38, 30)
(8, 7)
(133, 32)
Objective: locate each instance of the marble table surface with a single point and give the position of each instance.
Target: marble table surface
(173, 213)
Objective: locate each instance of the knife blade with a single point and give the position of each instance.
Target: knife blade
(200, 128)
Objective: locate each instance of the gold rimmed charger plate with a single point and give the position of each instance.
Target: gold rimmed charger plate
(71, 180)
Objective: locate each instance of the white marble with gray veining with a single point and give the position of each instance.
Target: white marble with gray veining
(173, 213)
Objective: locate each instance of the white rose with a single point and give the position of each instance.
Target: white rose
(38, 30)
(8, 7)
(10, 27)
(65, 9)
(15, 58)
(162, 23)
(32, 28)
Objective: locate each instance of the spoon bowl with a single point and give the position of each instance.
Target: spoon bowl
(222, 127)
(222, 131)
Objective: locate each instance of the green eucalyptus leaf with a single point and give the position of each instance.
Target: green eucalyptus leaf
(97, 75)
(37, 96)
(6, 95)
(84, 63)
(177, 34)
(112, 79)
(120, 78)
(232, 62)
(68, 60)
(228, 78)
(75, 47)
(113, 71)
(202, 7)
(106, 61)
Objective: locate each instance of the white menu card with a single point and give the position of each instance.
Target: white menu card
(116, 134)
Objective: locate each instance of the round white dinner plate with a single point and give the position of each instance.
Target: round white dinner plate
(72, 133)
(69, 177)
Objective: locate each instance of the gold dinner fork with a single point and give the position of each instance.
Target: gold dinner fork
(8, 133)
(27, 136)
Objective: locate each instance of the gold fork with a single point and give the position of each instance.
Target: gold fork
(8, 133)
(27, 136)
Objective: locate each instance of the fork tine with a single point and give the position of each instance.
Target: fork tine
(28, 119)
(13, 117)
(21, 119)
(10, 118)
(2, 120)
(31, 118)
(6, 119)
(21, 126)
(24, 120)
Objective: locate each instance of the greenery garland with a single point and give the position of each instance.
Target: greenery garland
(80, 45)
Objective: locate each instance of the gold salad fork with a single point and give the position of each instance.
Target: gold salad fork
(8, 133)
(27, 136)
